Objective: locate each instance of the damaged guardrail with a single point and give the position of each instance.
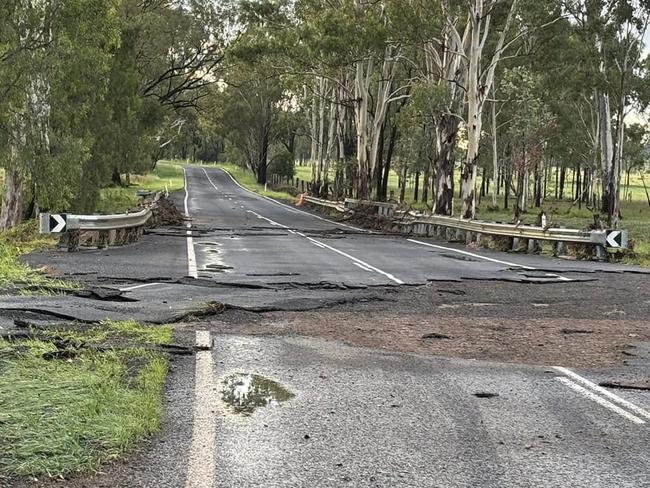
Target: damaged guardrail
(325, 203)
(97, 230)
(519, 236)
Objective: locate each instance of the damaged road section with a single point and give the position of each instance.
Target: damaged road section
(169, 303)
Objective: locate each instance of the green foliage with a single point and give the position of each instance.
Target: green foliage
(282, 164)
(90, 88)
(21, 240)
(70, 413)
(117, 199)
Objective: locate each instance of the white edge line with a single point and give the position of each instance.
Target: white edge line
(599, 389)
(599, 400)
(292, 208)
(135, 287)
(191, 255)
(478, 256)
(200, 465)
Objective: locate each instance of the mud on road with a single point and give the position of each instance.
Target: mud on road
(600, 323)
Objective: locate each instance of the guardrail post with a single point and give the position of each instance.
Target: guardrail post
(533, 246)
(601, 253)
(515, 243)
(73, 240)
(102, 239)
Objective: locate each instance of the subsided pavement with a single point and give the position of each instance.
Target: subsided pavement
(279, 400)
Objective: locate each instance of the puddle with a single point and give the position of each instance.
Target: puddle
(247, 392)
(207, 243)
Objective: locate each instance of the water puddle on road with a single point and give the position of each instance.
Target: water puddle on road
(247, 392)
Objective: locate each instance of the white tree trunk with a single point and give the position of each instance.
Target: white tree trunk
(313, 133)
(362, 95)
(381, 107)
(495, 159)
(479, 84)
(30, 137)
(321, 131)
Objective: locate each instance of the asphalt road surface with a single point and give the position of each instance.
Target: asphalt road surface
(295, 411)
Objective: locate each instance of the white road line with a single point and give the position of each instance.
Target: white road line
(135, 287)
(356, 260)
(362, 267)
(599, 389)
(562, 278)
(292, 209)
(210, 180)
(318, 244)
(192, 272)
(272, 222)
(314, 241)
(201, 462)
(323, 245)
(466, 253)
(599, 400)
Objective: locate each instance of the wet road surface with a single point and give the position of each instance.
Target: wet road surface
(323, 414)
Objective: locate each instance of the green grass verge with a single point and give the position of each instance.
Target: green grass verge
(69, 410)
(22, 240)
(166, 175)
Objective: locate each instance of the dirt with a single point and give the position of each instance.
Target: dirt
(573, 325)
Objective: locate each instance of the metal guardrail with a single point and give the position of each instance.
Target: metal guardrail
(59, 223)
(596, 237)
(93, 222)
(617, 239)
(325, 203)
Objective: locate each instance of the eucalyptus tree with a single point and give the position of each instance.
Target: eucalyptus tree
(54, 56)
(614, 29)
(87, 87)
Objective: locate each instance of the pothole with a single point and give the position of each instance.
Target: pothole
(245, 392)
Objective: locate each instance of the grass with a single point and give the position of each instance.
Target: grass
(22, 240)
(166, 176)
(70, 413)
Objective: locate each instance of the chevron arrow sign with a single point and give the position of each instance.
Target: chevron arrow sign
(615, 238)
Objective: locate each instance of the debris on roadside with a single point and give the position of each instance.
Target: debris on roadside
(485, 394)
(643, 385)
(576, 331)
(165, 213)
(435, 335)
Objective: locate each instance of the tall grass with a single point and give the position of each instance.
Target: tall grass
(66, 415)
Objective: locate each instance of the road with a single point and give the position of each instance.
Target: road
(256, 238)
(341, 415)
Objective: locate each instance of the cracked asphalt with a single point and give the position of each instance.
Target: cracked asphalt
(421, 364)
